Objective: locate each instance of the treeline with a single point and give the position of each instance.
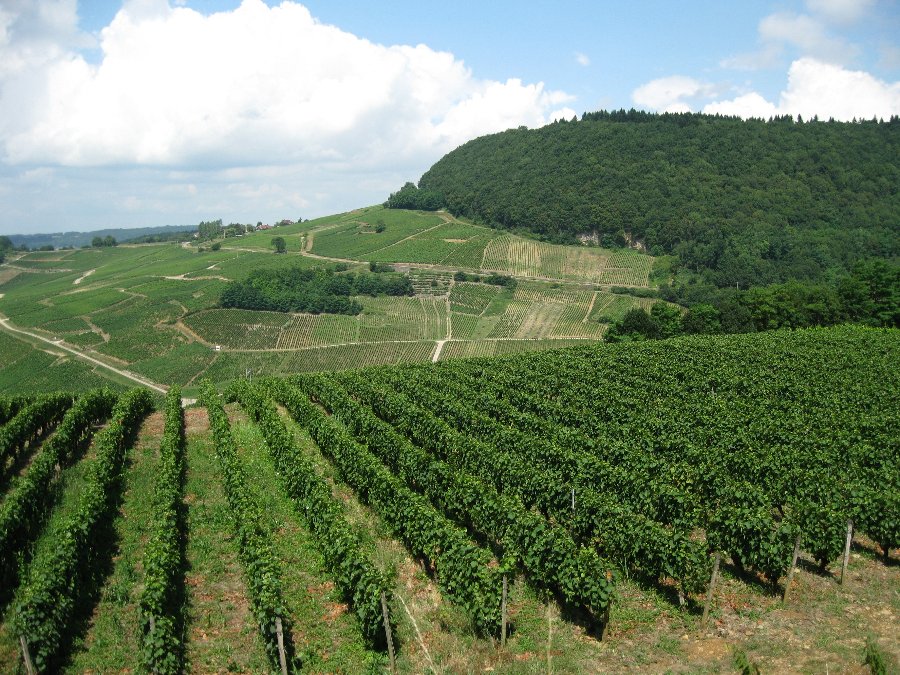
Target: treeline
(317, 291)
(411, 197)
(739, 202)
(161, 237)
(870, 295)
(493, 278)
(104, 242)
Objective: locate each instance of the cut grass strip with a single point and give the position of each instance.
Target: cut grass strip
(325, 632)
(221, 635)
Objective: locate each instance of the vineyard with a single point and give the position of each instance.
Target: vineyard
(579, 510)
(509, 254)
(155, 309)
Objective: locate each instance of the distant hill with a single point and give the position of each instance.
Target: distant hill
(743, 202)
(79, 239)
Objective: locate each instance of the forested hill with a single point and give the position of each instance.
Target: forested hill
(744, 202)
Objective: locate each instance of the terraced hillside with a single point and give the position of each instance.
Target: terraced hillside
(291, 523)
(151, 311)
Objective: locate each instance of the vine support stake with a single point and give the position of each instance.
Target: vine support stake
(503, 614)
(282, 658)
(549, 635)
(793, 568)
(847, 550)
(712, 587)
(604, 623)
(26, 655)
(387, 631)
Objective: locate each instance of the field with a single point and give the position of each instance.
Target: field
(152, 310)
(437, 482)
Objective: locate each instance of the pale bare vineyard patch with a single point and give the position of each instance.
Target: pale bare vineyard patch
(523, 257)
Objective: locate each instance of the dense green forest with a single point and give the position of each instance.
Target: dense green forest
(319, 291)
(869, 295)
(743, 203)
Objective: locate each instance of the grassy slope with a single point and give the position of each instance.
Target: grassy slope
(149, 308)
(221, 634)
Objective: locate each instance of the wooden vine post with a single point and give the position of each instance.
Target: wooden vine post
(503, 614)
(26, 655)
(387, 631)
(282, 657)
(847, 549)
(712, 587)
(793, 568)
(604, 623)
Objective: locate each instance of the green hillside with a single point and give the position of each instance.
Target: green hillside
(156, 311)
(743, 202)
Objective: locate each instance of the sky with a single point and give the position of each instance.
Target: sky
(165, 112)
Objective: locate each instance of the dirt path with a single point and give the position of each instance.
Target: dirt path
(62, 345)
(181, 326)
(182, 277)
(590, 307)
(438, 348)
(39, 270)
(412, 236)
(83, 277)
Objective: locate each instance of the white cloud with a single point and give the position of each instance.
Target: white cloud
(803, 35)
(582, 59)
(807, 34)
(252, 86)
(668, 94)
(816, 88)
(840, 11)
(746, 106)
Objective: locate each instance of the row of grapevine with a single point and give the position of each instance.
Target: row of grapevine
(633, 484)
(254, 547)
(463, 570)
(30, 423)
(162, 598)
(47, 599)
(348, 563)
(10, 405)
(546, 553)
(740, 523)
(542, 473)
(25, 509)
(770, 445)
(622, 535)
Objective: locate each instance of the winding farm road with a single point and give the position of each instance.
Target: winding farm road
(61, 345)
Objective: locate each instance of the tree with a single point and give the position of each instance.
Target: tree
(702, 318)
(209, 229)
(97, 242)
(109, 240)
(635, 326)
(279, 244)
(667, 318)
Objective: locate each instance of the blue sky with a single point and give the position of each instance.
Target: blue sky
(153, 112)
